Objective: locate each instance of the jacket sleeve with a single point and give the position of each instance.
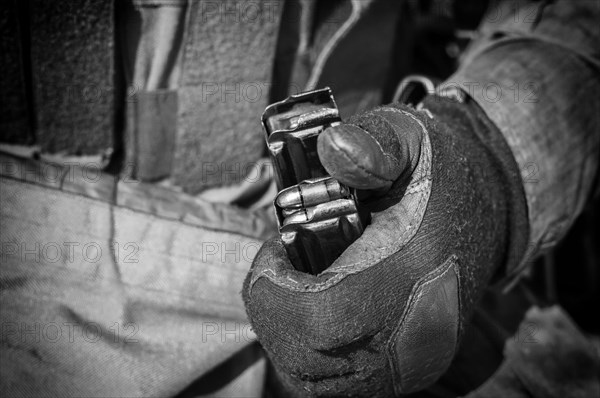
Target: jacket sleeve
(535, 71)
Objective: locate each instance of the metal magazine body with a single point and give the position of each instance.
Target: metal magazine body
(318, 217)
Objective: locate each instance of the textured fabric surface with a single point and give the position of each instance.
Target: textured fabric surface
(151, 130)
(366, 28)
(536, 77)
(328, 335)
(147, 198)
(73, 83)
(133, 299)
(225, 83)
(158, 39)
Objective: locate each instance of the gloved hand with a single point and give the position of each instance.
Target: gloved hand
(448, 214)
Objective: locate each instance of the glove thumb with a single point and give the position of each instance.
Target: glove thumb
(372, 150)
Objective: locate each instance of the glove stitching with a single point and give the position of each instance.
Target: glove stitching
(414, 297)
(425, 153)
(387, 155)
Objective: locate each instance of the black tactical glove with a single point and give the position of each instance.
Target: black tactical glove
(448, 215)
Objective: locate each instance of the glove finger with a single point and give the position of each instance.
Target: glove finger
(281, 311)
(372, 151)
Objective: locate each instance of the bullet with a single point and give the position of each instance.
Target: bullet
(296, 218)
(306, 118)
(310, 193)
(289, 211)
(290, 198)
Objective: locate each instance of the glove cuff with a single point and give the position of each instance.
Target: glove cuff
(465, 117)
